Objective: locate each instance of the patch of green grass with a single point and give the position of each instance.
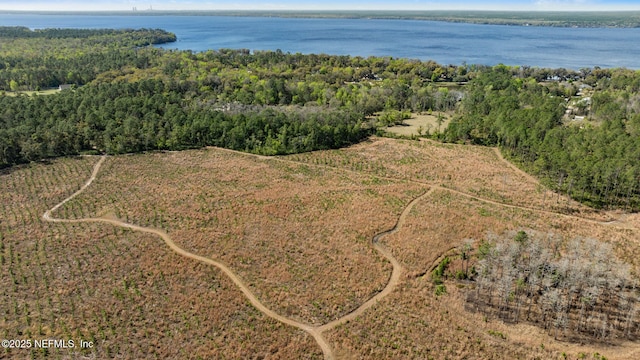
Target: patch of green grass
(31, 93)
(440, 290)
(484, 212)
(498, 334)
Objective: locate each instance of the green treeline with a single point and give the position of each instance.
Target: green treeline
(270, 78)
(39, 59)
(139, 37)
(594, 161)
(151, 114)
(131, 97)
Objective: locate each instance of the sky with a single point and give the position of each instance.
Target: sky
(125, 5)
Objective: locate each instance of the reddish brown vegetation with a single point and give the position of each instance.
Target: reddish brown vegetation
(299, 234)
(472, 170)
(125, 291)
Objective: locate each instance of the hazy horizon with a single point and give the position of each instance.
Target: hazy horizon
(301, 5)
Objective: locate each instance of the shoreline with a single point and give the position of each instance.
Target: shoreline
(569, 19)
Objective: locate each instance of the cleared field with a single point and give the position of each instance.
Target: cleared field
(124, 291)
(446, 328)
(297, 230)
(473, 170)
(298, 235)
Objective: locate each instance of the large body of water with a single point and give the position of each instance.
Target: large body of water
(445, 43)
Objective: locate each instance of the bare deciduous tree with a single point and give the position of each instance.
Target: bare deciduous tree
(575, 287)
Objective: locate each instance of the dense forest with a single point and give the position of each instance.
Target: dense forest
(38, 59)
(594, 161)
(151, 114)
(128, 96)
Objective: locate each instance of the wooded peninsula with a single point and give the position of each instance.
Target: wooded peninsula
(578, 131)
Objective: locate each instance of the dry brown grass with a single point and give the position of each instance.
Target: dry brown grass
(473, 170)
(414, 323)
(446, 219)
(297, 229)
(125, 291)
(299, 235)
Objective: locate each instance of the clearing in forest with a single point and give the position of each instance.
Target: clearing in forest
(421, 124)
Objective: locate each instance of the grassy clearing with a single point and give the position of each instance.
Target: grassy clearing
(420, 124)
(32, 93)
(446, 328)
(470, 169)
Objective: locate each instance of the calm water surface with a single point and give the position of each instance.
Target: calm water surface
(445, 43)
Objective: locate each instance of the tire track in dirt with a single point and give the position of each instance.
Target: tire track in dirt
(314, 331)
(514, 167)
(395, 274)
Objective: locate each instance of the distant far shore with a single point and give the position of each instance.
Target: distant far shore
(584, 19)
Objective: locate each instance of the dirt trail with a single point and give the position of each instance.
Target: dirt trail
(513, 167)
(314, 331)
(47, 214)
(395, 274)
(619, 223)
(326, 349)
(619, 220)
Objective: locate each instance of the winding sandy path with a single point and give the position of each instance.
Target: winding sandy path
(314, 331)
(395, 274)
(619, 223)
